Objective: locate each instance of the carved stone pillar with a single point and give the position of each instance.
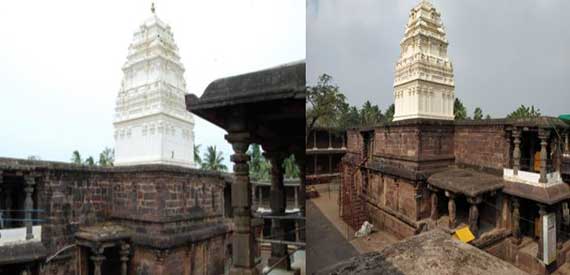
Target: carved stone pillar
(516, 151)
(29, 205)
(124, 252)
(452, 210)
(543, 134)
(542, 212)
(474, 215)
(330, 140)
(243, 239)
(516, 221)
(278, 204)
(434, 205)
(97, 260)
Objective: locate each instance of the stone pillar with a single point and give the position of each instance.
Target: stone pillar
(543, 134)
(97, 260)
(278, 204)
(315, 139)
(243, 237)
(542, 212)
(125, 251)
(330, 165)
(30, 181)
(260, 190)
(8, 207)
(452, 210)
(474, 215)
(516, 221)
(434, 215)
(330, 140)
(516, 151)
(25, 271)
(296, 190)
(300, 159)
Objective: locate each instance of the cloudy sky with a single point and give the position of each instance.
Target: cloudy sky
(60, 63)
(505, 53)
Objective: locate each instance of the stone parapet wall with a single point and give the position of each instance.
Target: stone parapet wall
(482, 146)
(166, 207)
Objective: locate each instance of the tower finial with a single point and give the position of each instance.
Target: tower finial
(152, 9)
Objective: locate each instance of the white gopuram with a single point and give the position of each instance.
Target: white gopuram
(423, 85)
(152, 125)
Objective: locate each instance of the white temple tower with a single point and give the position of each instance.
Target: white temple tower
(152, 125)
(423, 85)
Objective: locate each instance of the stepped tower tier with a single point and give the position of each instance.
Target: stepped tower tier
(152, 125)
(423, 84)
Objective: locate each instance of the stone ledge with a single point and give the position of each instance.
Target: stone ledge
(164, 241)
(21, 253)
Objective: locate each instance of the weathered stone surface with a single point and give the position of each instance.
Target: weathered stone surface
(156, 207)
(433, 252)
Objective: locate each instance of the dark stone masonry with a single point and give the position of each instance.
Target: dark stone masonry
(501, 178)
(149, 219)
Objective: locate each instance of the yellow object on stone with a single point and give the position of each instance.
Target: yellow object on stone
(464, 234)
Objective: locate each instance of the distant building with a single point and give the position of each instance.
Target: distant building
(151, 124)
(325, 149)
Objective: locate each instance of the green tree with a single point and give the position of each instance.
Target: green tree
(34, 157)
(349, 117)
(389, 115)
(213, 160)
(258, 165)
(325, 103)
(370, 114)
(459, 110)
(89, 161)
(76, 157)
(525, 112)
(488, 117)
(107, 157)
(478, 114)
(197, 158)
(290, 167)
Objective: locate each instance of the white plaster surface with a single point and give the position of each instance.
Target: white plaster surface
(13, 236)
(423, 84)
(532, 178)
(152, 125)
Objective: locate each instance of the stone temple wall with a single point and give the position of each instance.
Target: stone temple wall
(176, 214)
(482, 145)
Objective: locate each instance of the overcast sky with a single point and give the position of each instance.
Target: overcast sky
(60, 63)
(505, 53)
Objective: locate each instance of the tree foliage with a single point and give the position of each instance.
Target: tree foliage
(197, 158)
(107, 157)
(290, 167)
(325, 103)
(213, 160)
(478, 114)
(459, 110)
(389, 115)
(76, 157)
(89, 161)
(525, 112)
(258, 166)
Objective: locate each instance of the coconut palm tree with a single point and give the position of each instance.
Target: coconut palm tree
(107, 157)
(213, 160)
(197, 158)
(76, 157)
(258, 165)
